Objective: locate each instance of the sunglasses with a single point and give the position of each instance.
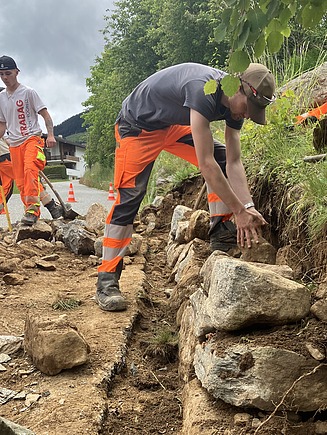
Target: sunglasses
(261, 99)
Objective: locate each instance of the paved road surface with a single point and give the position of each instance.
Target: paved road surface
(85, 197)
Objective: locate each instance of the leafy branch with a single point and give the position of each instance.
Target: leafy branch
(262, 25)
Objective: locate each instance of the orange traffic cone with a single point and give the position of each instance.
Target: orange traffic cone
(3, 211)
(71, 196)
(111, 196)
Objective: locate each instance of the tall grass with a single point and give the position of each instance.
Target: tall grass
(98, 177)
(275, 152)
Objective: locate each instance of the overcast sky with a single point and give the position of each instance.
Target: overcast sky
(54, 43)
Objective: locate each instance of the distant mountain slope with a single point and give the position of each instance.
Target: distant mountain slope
(72, 125)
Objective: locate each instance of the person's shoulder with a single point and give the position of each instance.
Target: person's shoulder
(28, 88)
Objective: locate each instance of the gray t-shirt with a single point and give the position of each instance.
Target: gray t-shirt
(166, 97)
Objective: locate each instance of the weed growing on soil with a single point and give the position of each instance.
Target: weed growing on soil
(66, 304)
(163, 345)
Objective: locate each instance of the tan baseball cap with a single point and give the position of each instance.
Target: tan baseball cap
(259, 86)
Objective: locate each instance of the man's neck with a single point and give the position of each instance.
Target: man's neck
(11, 89)
(224, 100)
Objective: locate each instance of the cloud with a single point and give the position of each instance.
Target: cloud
(54, 43)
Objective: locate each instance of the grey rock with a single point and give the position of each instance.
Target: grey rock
(78, 239)
(7, 427)
(198, 227)
(96, 218)
(10, 344)
(40, 230)
(181, 212)
(319, 309)
(236, 294)
(13, 279)
(259, 377)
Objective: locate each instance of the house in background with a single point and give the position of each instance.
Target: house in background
(67, 153)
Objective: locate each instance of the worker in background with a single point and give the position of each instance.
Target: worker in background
(20, 107)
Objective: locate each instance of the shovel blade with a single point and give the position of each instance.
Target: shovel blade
(69, 213)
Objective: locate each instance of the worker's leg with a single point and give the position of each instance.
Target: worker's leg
(134, 159)
(17, 160)
(222, 231)
(55, 209)
(34, 161)
(28, 159)
(6, 177)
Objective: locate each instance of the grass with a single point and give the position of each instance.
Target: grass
(65, 304)
(163, 345)
(98, 177)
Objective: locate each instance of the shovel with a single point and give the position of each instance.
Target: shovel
(68, 212)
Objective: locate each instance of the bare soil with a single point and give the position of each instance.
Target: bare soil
(130, 384)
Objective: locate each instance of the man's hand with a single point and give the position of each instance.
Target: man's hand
(249, 224)
(50, 142)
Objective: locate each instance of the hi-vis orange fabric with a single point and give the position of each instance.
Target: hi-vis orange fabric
(7, 179)
(134, 159)
(318, 112)
(27, 160)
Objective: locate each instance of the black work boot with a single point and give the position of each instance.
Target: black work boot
(108, 295)
(55, 210)
(29, 218)
(223, 237)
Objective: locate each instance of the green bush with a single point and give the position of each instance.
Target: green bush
(56, 171)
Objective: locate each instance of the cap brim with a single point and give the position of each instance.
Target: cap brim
(256, 113)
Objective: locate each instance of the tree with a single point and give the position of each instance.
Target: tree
(184, 33)
(128, 57)
(259, 25)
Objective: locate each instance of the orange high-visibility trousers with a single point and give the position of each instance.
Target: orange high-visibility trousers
(6, 177)
(135, 155)
(27, 160)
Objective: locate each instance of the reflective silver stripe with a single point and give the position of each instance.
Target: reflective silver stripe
(119, 232)
(111, 253)
(218, 208)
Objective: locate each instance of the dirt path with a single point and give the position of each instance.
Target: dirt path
(119, 391)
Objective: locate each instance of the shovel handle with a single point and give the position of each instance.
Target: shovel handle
(53, 189)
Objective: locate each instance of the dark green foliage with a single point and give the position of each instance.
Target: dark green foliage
(56, 171)
(72, 125)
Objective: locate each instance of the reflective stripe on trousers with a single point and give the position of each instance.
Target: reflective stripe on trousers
(135, 155)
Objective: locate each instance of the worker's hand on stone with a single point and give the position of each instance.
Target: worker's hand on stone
(249, 224)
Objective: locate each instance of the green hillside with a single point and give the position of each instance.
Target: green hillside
(72, 129)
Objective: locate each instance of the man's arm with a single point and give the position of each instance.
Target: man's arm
(213, 175)
(51, 141)
(2, 129)
(248, 221)
(234, 166)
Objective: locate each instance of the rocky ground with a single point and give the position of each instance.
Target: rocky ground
(130, 384)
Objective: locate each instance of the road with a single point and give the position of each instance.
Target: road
(85, 197)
